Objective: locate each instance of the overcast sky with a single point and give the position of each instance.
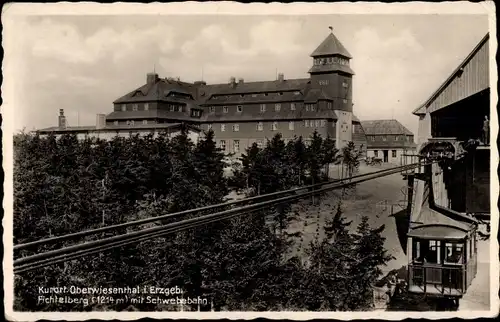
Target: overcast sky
(83, 63)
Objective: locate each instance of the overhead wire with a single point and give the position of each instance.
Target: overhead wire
(76, 251)
(179, 214)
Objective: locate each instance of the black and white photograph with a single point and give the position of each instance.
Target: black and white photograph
(205, 159)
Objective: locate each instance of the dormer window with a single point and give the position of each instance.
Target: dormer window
(124, 107)
(212, 109)
(145, 122)
(275, 126)
(292, 106)
(277, 107)
(225, 109)
(239, 108)
(262, 108)
(115, 123)
(135, 107)
(329, 105)
(146, 106)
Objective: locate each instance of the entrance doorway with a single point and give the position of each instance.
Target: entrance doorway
(386, 155)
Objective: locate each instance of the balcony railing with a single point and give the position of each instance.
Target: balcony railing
(438, 280)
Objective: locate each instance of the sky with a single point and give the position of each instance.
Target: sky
(83, 63)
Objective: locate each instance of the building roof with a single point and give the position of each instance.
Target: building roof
(422, 108)
(385, 127)
(85, 129)
(331, 46)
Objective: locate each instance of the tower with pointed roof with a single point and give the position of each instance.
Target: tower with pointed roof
(331, 80)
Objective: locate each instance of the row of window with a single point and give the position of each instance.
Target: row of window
(135, 107)
(430, 252)
(274, 125)
(394, 153)
(396, 138)
(132, 122)
(252, 95)
(223, 144)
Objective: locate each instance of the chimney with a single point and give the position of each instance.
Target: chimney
(100, 121)
(151, 78)
(200, 83)
(281, 77)
(62, 119)
(240, 81)
(232, 82)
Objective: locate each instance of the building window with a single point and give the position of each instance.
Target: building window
(453, 253)
(291, 126)
(262, 107)
(329, 105)
(275, 126)
(345, 101)
(254, 95)
(394, 154)
(384, 138)
(146, 106)
(277, 107)
(135, 107)
(124, 107)
(209, 127)
(223, 127)
(313, 107)
(212, 109)
(372, 137)
(323, 123)
(236, 146)
(145, 122)
(225, 109)
(375, 153)
(316, 123)
(222, 145)
(172, 107)
(396, 138)
(239, 108)
(296, 93)
(353, 129)
(323, 82)
(260, 143)
(260, 126)
(306, 123)
(236, 127)
(292, 106)
(408, 138)
(115, 123)
(131, 122)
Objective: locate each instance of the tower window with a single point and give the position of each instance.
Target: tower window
(239, 108)
(225, 109)
(292, 106)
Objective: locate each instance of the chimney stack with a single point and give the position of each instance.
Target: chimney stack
(232, 82)
(100, 121)
(151, 78)
(281, 77)
(62, 119)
